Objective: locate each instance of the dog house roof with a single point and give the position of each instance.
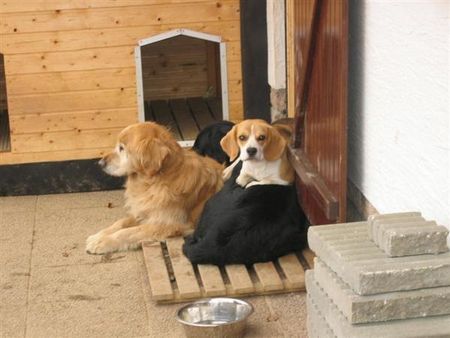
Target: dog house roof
(177, 32)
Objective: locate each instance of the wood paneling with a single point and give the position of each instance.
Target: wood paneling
(76, 19)
(55, 82)
(73, 101)
(64, 140)
(14, 6)
(70, 67)
(64, 121)
(90, 38)
(321, 66)
(175, 68)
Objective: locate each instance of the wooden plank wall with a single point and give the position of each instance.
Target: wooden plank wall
(70, 68)
(177, 68)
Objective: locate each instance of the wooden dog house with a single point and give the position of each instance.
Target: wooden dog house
(182, 81)
(71, 77)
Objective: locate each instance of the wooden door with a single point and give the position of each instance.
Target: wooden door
(319, 33)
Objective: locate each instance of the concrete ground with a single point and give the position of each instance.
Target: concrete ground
(50, 287)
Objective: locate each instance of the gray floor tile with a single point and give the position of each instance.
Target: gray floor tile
(96, 199)
(60, 235)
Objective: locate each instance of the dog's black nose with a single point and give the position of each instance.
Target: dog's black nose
(251, 151)
(102, 163)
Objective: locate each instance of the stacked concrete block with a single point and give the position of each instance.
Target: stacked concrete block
(407, 234)
(357, 290)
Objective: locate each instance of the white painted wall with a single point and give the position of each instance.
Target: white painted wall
(276, 44)
(399, 132)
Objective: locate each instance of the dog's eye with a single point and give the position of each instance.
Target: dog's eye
(261, 137)
(121, 148)
(242, 137)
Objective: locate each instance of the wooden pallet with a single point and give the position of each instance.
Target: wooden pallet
(174, 279)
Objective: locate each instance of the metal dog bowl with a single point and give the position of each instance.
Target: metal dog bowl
(215, 318)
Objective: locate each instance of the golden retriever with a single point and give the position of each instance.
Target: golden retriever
(166, 189)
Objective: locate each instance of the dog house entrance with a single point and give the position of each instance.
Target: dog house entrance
(181, 81)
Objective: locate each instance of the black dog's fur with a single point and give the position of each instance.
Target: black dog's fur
(245, 226)
(207, 142)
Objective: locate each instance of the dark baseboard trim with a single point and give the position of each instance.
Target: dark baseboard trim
(55, 178)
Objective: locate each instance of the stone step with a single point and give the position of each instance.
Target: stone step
(381, 307)
(410, 241)
(379, 217)
(315, 323)
(382, 228)
(374, 271)
(430, 327)
(377, 224)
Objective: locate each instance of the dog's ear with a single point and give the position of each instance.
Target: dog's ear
(285, 130)
(229, 144)
(274, 146)
(152, 155)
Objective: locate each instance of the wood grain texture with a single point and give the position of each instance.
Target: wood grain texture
(157, 271)
(73, 101)
(19, 43)
(321, 56)
(14, 6)
(77, 19)
(212, 280)
(293, 270)
(64, 140)
(54, 82)
(239, 278)
(184, 272)
(64, 121)
(268, 276)
(70, 67)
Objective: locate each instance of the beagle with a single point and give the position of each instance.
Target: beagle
(263, 152)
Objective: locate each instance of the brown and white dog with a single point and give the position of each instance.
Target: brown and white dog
(166, 189)
(263, 152)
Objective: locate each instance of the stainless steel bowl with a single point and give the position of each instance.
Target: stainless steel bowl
(215, 318)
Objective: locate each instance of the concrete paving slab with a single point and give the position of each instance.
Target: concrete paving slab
(113, 198)
(86, 282)
(438, 326)
(12, 321)
(375, 272)
(60, 235)
(382, 307)
(16, 233)
(78, 301)
(380, 217)
(288, 309)
(18, 203)
(383, 227)
(377, 224)
(85, 318)
(420, 240)
(317, 325)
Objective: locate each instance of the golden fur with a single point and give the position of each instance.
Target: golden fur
(263, 150)
(167, 187)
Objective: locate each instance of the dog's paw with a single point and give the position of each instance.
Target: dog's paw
(99, 245)
(93, 238)
(243, 180)
(253, 183)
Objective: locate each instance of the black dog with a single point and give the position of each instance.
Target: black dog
(245, 226)
(207, 142)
